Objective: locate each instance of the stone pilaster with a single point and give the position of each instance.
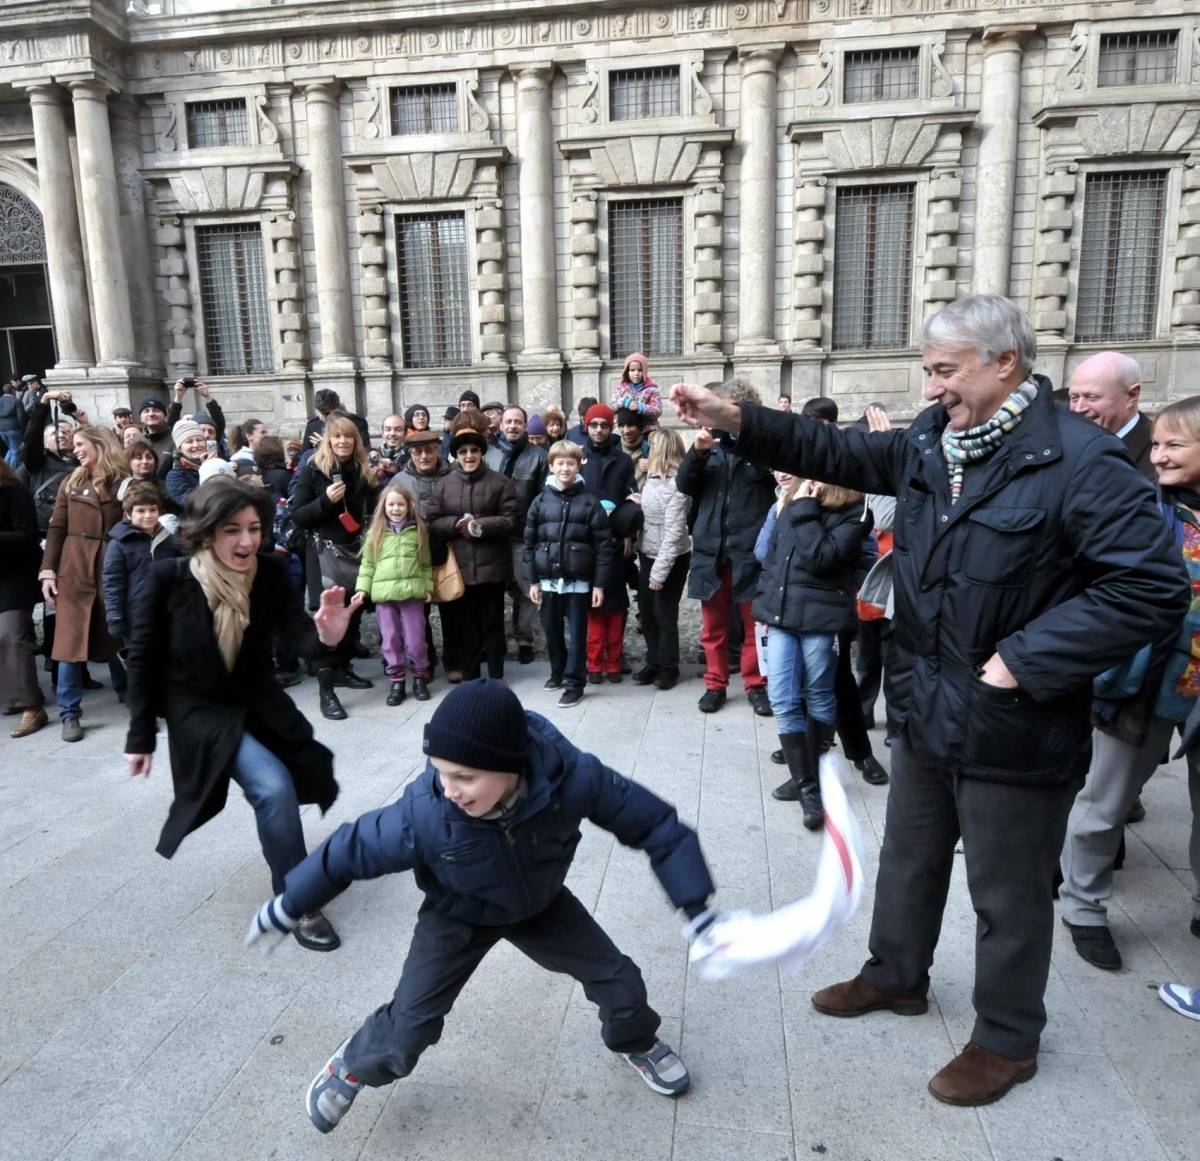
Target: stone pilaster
(181, 325)
(941, 249)
(708, 235)
(377, 346)
(106, 259)
(585, 275)
(64, 246)
(493, 314)
(1185, 308)
(756, 257)
(330, 247)
(808, 261)
(287, 289)
(535, 175)
(996, 167)
(1053, 252)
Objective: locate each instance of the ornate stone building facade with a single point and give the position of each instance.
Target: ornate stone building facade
(403, 199)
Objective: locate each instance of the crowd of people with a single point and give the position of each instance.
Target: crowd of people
(1015, 571)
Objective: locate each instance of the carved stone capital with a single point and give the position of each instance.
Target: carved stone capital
(760, 58)
(536, 74)
(998, 38)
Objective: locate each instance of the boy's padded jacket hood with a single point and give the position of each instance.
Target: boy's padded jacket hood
(491, 873)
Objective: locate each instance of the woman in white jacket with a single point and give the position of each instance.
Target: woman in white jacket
(664, 553)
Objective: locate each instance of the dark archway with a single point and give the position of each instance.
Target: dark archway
(26, 328)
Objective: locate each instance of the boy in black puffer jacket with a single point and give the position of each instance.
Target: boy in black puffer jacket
(134, 544)
(568, 560)
(489, 831)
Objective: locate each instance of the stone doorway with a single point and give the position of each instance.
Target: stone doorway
(26, 327)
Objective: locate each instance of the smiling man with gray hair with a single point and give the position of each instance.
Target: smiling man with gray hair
(1107, 388)
(1029, 557)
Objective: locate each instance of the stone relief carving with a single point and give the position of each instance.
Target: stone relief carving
(702, 101)
(168, 139)
(1073, 72)
(268, 134)
(22, 235)
(941, 84)
(373, 126)
(590, 109)
(822, 93)
(1166, 128)
(414, 177)
(1196, 54)
(478, 119)
(665, 160)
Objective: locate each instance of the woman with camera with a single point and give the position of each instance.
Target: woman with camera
(334, 497)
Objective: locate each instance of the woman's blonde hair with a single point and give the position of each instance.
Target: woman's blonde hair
(327, 462)
(111, 465)
(555, 413)
(833, 496)
(1182, 417)
(666, 452)
(379, 521)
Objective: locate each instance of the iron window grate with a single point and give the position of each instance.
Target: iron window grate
(424, 109)
(233, 296)
(1120, 256)
(645, 277)
(214, 123)
(881, 75)
(634, 94)
(434, 293)
(1138, 58)
(872, 267)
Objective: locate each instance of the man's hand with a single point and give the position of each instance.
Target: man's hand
(703, 443)
(699, 407)
(877, 419)
(139, 764)
(997, 674)
(201, 389)
(180, 388)
(315, 438)
(656, 586)
(535, 594)
(597, 598)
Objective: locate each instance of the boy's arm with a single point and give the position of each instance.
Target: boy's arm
(379, 842)
(114, 579)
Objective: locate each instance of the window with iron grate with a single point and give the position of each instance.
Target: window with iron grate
(1120, 256)
(233, 299)
(872, 267)
(214, 123)
(424, 109)
(645, 277)
(1138, 58)
(634, 94)
(435, 309)
(881, 75)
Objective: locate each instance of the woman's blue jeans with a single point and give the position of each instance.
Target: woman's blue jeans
(800, 678)
(269, 788)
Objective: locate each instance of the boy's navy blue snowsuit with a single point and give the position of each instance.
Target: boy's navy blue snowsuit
(490, 880)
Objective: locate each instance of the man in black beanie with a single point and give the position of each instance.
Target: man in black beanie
(489, 830)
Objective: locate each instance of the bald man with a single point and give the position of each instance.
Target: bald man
(1106, 388)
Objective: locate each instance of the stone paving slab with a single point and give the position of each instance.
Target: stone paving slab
(134, 1024)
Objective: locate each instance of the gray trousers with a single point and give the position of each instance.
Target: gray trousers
(524, 614)
(1116, 777)
(19, 689)
(1011, 839)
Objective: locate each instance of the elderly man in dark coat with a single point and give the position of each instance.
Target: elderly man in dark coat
(1030, 557)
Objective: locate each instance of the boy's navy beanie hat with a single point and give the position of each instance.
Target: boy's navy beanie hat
(480, 724)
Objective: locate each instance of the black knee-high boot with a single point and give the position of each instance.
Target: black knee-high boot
(792, 751)
(818, 738)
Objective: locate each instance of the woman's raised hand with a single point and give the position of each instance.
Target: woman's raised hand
(332, 619)
(335, 492)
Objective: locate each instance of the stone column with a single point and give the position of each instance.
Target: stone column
(756, 214)
(996, 167)
(329, 224)
(535, 143)
(64, 247)
(106, 258)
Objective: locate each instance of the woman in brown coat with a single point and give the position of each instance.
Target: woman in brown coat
(475, 510)
(86, 508)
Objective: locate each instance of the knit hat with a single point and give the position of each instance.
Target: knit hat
(469, 396)
(450, 413)
(536, 425)
(185, 429)
(211, 468)
(480, 724)
(625, 415)
(599, 411)
(151, 401)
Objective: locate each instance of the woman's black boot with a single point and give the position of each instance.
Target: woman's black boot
(794, 756)
(396, 694)
(331, 708)
(818, 738)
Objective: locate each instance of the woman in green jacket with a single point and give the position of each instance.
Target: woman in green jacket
(397, 574)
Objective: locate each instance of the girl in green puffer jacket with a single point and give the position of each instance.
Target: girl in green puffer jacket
(397, 574)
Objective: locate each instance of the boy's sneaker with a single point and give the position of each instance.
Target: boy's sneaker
(553, 682)
(711, 700)
(332, 1092)
(570, 697)
(661, 1069)
(760, 702)
(1185, 1001)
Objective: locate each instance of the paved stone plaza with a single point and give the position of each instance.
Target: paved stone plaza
(133, 1024)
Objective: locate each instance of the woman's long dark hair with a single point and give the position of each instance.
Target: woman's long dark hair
(216, 502)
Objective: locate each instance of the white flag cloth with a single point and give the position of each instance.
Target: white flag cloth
(788, 936)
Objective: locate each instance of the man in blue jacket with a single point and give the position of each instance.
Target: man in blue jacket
(489, 830)
(1029, 558)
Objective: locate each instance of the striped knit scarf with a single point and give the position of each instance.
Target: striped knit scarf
(976, 443)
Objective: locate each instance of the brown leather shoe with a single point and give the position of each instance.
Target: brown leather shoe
(856, 997)
(31, 721)
(978, 1077)
(316, 933)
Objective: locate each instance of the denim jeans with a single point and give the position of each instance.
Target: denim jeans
(269, 788)
(800, 676)
(70, 689)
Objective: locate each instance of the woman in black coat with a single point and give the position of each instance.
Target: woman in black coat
(333, 499)
(200, 656)
(20, 554)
